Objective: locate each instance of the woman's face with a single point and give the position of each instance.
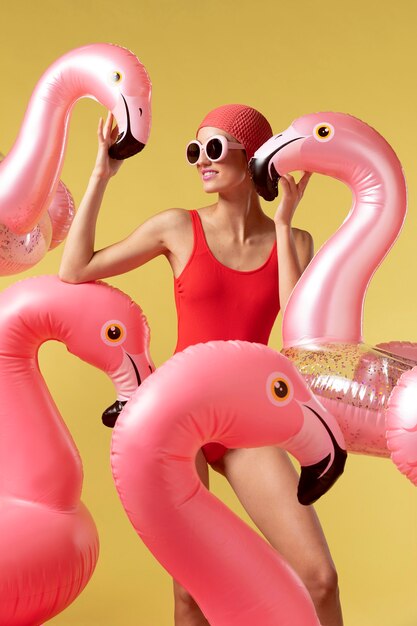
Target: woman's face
(227, 174)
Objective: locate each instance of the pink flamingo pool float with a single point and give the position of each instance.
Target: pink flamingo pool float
(18, 253)
(371, 391)
(240, 395)
(48, 540)
(29, 174)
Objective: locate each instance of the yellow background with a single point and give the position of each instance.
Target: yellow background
(287, 59)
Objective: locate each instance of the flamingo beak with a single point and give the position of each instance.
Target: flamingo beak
(110, 415)
(315, 481)
(262, 166)
(317, 478)
(125, 146)
(264, 176)
(132, 371)
(133, 118)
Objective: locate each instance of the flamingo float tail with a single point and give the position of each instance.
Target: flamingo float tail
(401, 424)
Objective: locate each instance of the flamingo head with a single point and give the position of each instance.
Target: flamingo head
(98, 323)
(116, 78)
(271, 387)
(113, 335)
(132, 108)
(335, 144)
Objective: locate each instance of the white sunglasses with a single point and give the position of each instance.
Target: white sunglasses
(216, 149)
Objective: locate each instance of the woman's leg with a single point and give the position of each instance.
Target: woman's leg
(187, 612)
(265, 482)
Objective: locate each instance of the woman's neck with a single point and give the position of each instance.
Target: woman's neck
(238, 211)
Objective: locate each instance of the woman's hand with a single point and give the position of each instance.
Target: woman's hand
(292, 193)
(105, 167)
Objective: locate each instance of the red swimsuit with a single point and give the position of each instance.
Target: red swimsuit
(216, 302)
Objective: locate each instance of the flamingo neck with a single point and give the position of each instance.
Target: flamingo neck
(29, 174)
(327, 302)
(185, 526)
(43, 134)
(38, 458)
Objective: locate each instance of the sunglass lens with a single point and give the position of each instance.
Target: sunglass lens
(214, 149)
(193, 152)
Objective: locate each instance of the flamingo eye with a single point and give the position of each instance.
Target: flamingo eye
(116, 77)
(323, 132)
(279, 389)
(113, 333)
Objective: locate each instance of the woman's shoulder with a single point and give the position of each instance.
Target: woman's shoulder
(173, 216)
(170, 219)
(304, 245)
(172, 227)
(176, 233)
(302, 236)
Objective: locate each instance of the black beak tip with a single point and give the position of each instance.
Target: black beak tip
(265, 181)
(110, 415)
(126, 148)
(313, 484)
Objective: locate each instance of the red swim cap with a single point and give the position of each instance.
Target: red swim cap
(244, 123)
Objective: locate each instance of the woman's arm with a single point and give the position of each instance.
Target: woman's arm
(295, 247)
(80, 262)
(79, 245)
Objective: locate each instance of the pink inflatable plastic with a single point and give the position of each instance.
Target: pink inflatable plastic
(61, 213)
(48, 540)
(19, 253)
(240, 395)
(372, 392)
(30, 172)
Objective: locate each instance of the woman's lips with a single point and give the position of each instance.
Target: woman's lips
(208, 174)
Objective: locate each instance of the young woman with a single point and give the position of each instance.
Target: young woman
(234, 268)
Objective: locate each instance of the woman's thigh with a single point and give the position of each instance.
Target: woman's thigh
(265, 481)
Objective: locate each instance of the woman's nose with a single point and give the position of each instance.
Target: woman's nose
(203, 158)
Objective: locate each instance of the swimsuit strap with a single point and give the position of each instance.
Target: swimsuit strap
(200, 243)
